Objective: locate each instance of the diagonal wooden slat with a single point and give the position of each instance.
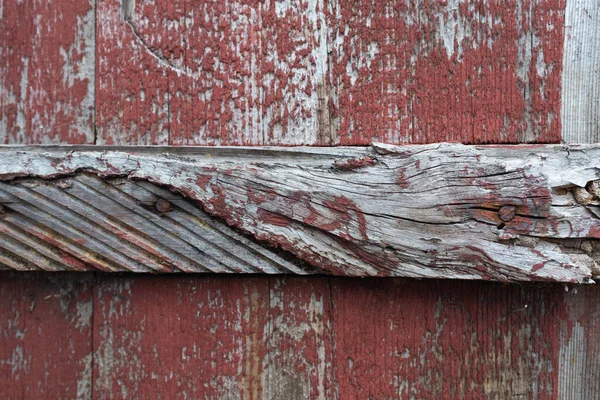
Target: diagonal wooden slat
(437, 211)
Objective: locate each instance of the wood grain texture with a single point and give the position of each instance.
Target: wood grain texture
(444, 210)
(218, 338)
(468, 71)
(579, 362)
(300, 360)
(47, 71)
(399, 339)
(204, 72)
(84, 222)
(192, 338)
(581, 73)
(294, 338)
(329, 71)
(45, 336)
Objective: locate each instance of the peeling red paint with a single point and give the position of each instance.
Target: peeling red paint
(538, 266)
(47, 72)
(354, 163)
(219, 335)
(293, 337)
(414, 74)
(268, 217)
(203, 181)
(46, 328)
(397, 72)
(594, 231)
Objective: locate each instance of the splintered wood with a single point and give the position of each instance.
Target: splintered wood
(435, 211)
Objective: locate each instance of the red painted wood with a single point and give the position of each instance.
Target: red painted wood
(207, 72)
(294, 337)
(212, 337)
(249, 72)
(580, 343)
(402, 339)
(243, 72)
(47, 72)
(300, 339)
(179, 338)
(45, 336)
(414, 72)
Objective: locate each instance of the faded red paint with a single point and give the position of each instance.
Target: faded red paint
(396, 339)
(192, 337)
(46, 72)
(45, 336)
(269, 217)
(205, 72)
(260, 73)
(292, 337)
(404, 74)
(594, 232)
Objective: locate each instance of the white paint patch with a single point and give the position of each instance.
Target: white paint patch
(455, 28)
(19, 362)
(84, 378)
(84, 314)
(22, 104)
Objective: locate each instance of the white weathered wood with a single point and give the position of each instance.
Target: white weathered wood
(418, 211)
(581, 73)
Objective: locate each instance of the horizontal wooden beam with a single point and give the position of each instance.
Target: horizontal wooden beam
(508, 213)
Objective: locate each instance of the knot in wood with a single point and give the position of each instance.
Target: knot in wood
(507, 213)
(163, 205)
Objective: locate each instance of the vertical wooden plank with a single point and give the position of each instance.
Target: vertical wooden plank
(132, 88)
(581, 74)
(47, 67)
(407, 339)
(179, 337)
(299, 336)
(579, 362)
(45, 336)
(297, 104)
(469, 71)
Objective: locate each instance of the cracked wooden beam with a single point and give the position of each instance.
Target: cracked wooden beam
(508, 213)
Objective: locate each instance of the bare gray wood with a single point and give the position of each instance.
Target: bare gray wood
(581, 73)
(432, 211)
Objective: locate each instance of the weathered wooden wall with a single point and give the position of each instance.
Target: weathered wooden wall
(285, 72)
(310, 72)
(296, 338)
(298, 72)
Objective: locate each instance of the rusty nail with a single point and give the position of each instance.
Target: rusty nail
(507, 213)
(163, 205)
(65, 184)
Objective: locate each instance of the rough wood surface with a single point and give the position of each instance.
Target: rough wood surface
(298, 72)
(47, 71)
(444, 210)
(328, 72)
(45, 336)
(581, 76)
(84, 222)
(294, 337)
